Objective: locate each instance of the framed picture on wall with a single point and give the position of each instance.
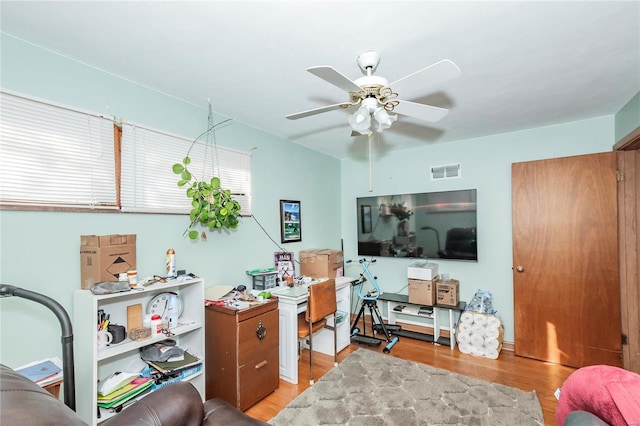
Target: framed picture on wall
(290, 223)
(365, 218)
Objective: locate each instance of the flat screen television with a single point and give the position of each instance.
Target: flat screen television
(439, 225)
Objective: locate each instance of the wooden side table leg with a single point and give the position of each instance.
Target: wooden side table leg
(54, 388)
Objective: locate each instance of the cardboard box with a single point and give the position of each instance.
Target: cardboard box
(321, 263)
(422, 271)
(422, 292)
(448, 292)
(103, 258)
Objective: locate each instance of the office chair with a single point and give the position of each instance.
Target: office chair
(321, 304)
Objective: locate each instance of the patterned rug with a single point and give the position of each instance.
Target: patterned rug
(370, 388)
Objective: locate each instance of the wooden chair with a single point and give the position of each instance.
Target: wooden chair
(321, 304)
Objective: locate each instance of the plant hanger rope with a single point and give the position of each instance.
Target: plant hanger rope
(211, 140)
(213, 207)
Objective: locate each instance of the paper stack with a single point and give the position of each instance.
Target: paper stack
(43, 372)
(126, 393)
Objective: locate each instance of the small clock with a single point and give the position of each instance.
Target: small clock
(160, 304)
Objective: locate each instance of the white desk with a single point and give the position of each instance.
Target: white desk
(292, 301)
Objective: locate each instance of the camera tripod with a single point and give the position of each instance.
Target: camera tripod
(369, 301)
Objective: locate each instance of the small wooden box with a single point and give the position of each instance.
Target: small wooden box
(448, 292)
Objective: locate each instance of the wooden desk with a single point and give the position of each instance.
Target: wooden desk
(411, 309)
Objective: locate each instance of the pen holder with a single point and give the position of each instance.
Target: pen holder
(118, 332)
(104, 338)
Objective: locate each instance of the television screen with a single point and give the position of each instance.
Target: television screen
(423, 225)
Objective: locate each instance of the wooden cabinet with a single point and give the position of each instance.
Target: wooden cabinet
(242, 353)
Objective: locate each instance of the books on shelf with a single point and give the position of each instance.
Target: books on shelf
(169, 366)
(43, 372)
(115, 381)
(125, 393)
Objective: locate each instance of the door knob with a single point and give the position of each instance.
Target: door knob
(520, 268)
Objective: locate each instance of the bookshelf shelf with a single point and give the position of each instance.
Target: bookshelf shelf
(97, 363)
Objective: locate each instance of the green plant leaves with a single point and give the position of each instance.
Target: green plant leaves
(213, 206)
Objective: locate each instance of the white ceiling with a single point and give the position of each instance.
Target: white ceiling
(524, 64)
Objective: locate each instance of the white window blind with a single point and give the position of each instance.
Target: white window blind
(148, 181)
(55, 156)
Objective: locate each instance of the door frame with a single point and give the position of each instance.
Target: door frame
(629, 246)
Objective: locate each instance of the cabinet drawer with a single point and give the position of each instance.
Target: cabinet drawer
(250, 346)
(259, 378)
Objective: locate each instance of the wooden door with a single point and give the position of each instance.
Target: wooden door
(628, 218)
(565, 260)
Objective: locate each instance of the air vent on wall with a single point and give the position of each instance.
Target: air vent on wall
(450, 171)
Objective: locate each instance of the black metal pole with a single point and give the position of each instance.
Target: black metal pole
(66, 339)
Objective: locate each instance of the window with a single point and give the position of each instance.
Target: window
(148, 181)
(55, 156)
(59, 157)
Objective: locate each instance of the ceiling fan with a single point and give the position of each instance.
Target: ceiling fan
(376, 98)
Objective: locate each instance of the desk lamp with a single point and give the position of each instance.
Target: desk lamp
(7, 290)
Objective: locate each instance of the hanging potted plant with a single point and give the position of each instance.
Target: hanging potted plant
(213, 207)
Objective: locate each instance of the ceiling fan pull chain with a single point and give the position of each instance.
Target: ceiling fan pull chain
(370, 183)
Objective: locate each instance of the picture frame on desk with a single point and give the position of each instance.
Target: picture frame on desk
(290, 221)
(285, 266)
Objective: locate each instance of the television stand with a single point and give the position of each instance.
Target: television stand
(412, 309)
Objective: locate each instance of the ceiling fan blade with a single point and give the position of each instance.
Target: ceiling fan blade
(420, 111)
(333, 76)
(320, 110)
(433, 74)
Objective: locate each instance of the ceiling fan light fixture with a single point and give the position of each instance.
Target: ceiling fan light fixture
(360, 121)
(376, 97)
(384, 119)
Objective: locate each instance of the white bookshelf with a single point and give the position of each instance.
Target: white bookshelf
(93, 364)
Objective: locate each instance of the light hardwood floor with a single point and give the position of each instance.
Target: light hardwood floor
(508, 369)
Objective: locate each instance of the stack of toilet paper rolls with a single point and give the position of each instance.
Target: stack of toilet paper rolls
(480, 334)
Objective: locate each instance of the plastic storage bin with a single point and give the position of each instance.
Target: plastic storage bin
(265, 281)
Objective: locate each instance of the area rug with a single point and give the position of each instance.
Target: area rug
(370, 388)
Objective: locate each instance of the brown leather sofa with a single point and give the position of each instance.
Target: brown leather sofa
(22, 402)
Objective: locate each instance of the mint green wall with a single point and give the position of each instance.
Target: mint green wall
(40, 250)
(628, 118)
(486, 166)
